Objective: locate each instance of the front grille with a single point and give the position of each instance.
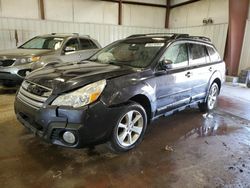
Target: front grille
(33, 95)
(7, 62)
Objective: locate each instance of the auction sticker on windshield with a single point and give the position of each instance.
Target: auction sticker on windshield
(154, 44)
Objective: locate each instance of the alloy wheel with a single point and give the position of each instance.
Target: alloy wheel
(130, 128)
(212, 97)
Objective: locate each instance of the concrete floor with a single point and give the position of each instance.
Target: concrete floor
(188, 149)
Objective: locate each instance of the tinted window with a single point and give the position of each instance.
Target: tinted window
(214, 56)
(72, 43)
(198, 54)
(177, 54)
(87, 44)
(93, 44)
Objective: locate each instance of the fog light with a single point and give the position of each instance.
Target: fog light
(69, 137)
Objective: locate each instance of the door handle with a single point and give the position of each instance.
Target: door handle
(188, 74)
(210, 69)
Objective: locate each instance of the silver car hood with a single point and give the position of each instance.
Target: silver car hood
(19, 53)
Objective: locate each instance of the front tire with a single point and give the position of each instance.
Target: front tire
(129, 129)
(211, 100)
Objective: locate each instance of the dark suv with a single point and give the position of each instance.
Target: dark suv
(113, 95)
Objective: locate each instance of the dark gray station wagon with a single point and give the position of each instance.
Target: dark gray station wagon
(112, 96)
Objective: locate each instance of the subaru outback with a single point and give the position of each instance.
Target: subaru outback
(113, 96)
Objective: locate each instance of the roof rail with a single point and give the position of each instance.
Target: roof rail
(201, 38)
(178, 36)
(173, 36)
(85, 36)
(151, 34)
(66, 34)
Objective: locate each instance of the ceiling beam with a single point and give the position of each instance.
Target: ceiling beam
(184, 3)
(137, 3)
(42, 12)
(167, 13)
(120, 12)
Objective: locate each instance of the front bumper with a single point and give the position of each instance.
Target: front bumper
(91, 125)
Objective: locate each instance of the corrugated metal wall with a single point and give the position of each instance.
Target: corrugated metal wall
(26, 29)
(245, 53)
(216, 32)
(105, 34)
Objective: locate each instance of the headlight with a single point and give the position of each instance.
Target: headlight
(23, 61)
(34, 59)
(82, 96)
(30, 60)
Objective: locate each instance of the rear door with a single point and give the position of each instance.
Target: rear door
(173, 87)
(200, 68)
(87, 48)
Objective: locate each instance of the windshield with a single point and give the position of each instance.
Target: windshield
(135, 53)
(51, 43)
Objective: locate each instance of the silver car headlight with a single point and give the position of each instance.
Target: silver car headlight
(81, 97)
(29, 60)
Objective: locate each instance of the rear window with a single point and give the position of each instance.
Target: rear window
(214, 56)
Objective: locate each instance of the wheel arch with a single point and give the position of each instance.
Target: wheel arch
(217, 78)
(144, 101)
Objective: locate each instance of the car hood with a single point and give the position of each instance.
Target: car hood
(61, 78)
(20, 53)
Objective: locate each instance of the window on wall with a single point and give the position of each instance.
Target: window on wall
(177, 54)
(198, 54)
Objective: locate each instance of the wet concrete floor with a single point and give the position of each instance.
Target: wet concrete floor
(188, 149)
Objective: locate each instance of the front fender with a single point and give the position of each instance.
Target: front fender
(116, 93)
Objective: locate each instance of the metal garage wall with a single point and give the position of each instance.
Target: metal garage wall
(105, 34)
(216, 32)
(27, 28)
(245, 53)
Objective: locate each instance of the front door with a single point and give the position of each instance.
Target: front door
(173, 88)
(74, 54)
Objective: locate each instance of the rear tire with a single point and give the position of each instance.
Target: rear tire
(211, 99)
(129, 129)
(248, 84)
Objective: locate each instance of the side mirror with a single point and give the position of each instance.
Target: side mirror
(167, 64)
(69, 49)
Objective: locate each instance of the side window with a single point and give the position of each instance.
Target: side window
(177, 54)
(87, 44)
(214, 56)
(93, 44)
(73, 44)
(198, 54)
